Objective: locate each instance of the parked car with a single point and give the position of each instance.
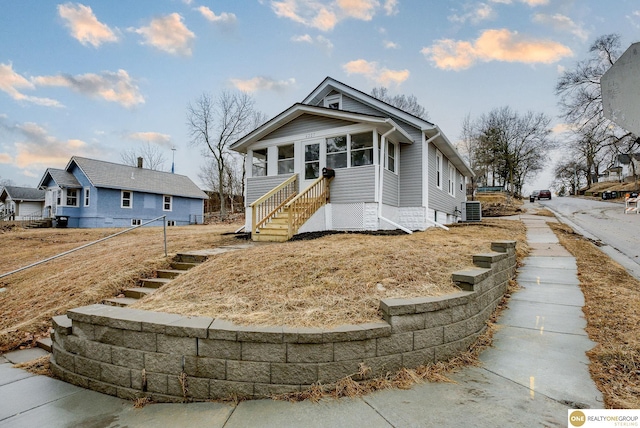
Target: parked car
(533, 196)
(544, 194)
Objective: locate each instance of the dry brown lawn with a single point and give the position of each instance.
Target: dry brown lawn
(333, 280)
(30, 298)
(497, 204)
(612, 310)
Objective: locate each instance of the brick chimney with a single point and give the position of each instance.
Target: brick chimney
(139, 161)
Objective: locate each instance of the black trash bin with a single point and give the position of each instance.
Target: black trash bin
(532, 198)
(62, 221)
(606, 194)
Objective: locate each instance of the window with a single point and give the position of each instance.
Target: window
(167, 202)
(391, 156)
(72, 197)
(259, 163)
(285, 159)
(362, 149)
(311, 161)
(135, 222)
(333, 102)
(337, 152)
(86, 196)
(58, 197)
(461, 183)
(126, 200)
(452, 179)
(171, 222)
(438, 169)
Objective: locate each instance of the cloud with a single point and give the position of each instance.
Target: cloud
(163, 140)
(6, 158)
(561, 128)
(261, 83)
(391, 7)
(36, 150)
(116, 87)
(494, 45)
(390, 45)
(319, 40)
(480, 12)
(223, 18)
(325, 16)
(168, 34)
(561, 23)
(531, 3)
(12, 82)
(372, 71)
(84, 26)
(634, 18)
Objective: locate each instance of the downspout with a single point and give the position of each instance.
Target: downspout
(383, 144)
(426, 147)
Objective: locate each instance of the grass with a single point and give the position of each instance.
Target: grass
(612, 310)
(30, 298)
(333, 280)
(496, 204)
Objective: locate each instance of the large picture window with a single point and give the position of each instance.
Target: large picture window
(285, 159)
(362, 149)
(259, 163)
(337, 152)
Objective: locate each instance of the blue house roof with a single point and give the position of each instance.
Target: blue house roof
(117, 176)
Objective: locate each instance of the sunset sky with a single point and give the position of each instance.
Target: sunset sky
(97, 78)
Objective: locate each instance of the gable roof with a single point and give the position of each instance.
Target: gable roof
(299, 109)
(61, 177)
(430, 130)
(22, 193)
(123, 177)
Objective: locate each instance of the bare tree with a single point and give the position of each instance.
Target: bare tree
(214, 124)
(509, 146)
(152, 156)
(405, 103)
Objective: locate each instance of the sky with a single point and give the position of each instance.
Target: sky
(98, 78)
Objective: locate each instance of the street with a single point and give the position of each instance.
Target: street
(603, 221)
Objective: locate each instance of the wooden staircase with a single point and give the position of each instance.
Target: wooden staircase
(279, 214)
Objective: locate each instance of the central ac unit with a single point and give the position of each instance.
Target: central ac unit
(471, 211)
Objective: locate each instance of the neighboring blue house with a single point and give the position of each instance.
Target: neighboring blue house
(93, 193)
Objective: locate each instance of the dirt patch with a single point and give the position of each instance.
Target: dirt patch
(499, 204)
(612, 310)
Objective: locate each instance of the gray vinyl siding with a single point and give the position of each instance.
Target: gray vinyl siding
(258, 186)
(306, 124)
(441, 200)
(411, 169)
(390, 189)
(354, 185)
(349, 104)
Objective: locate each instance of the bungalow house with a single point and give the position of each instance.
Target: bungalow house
(344, 160)
(21, 203)
(93, 193)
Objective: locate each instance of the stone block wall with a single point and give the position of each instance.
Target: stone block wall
(133, 353)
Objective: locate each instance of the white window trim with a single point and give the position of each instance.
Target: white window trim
(439, 163)
(331, 99)
(135, 222)
(86, 196)
(122, 199)
(170, 203)
(452, 179)
(396, 154)
(66, 198)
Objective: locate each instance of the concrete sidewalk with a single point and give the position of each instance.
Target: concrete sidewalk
(535, 371)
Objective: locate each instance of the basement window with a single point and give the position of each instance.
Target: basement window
(135, 222)
(171, 222)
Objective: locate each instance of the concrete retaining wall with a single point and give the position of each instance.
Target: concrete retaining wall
(132, 353)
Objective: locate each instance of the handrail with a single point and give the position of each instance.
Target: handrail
(270, 204)
(271, 192)
(164, 217)
(306, 203)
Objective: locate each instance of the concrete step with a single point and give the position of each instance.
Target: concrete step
(138, 292)
(168, 273)
(119, 301)
(183, 265)
(154, 282)
(45, 343)
(190, 258)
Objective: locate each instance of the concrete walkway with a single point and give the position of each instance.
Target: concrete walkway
(535, 371)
